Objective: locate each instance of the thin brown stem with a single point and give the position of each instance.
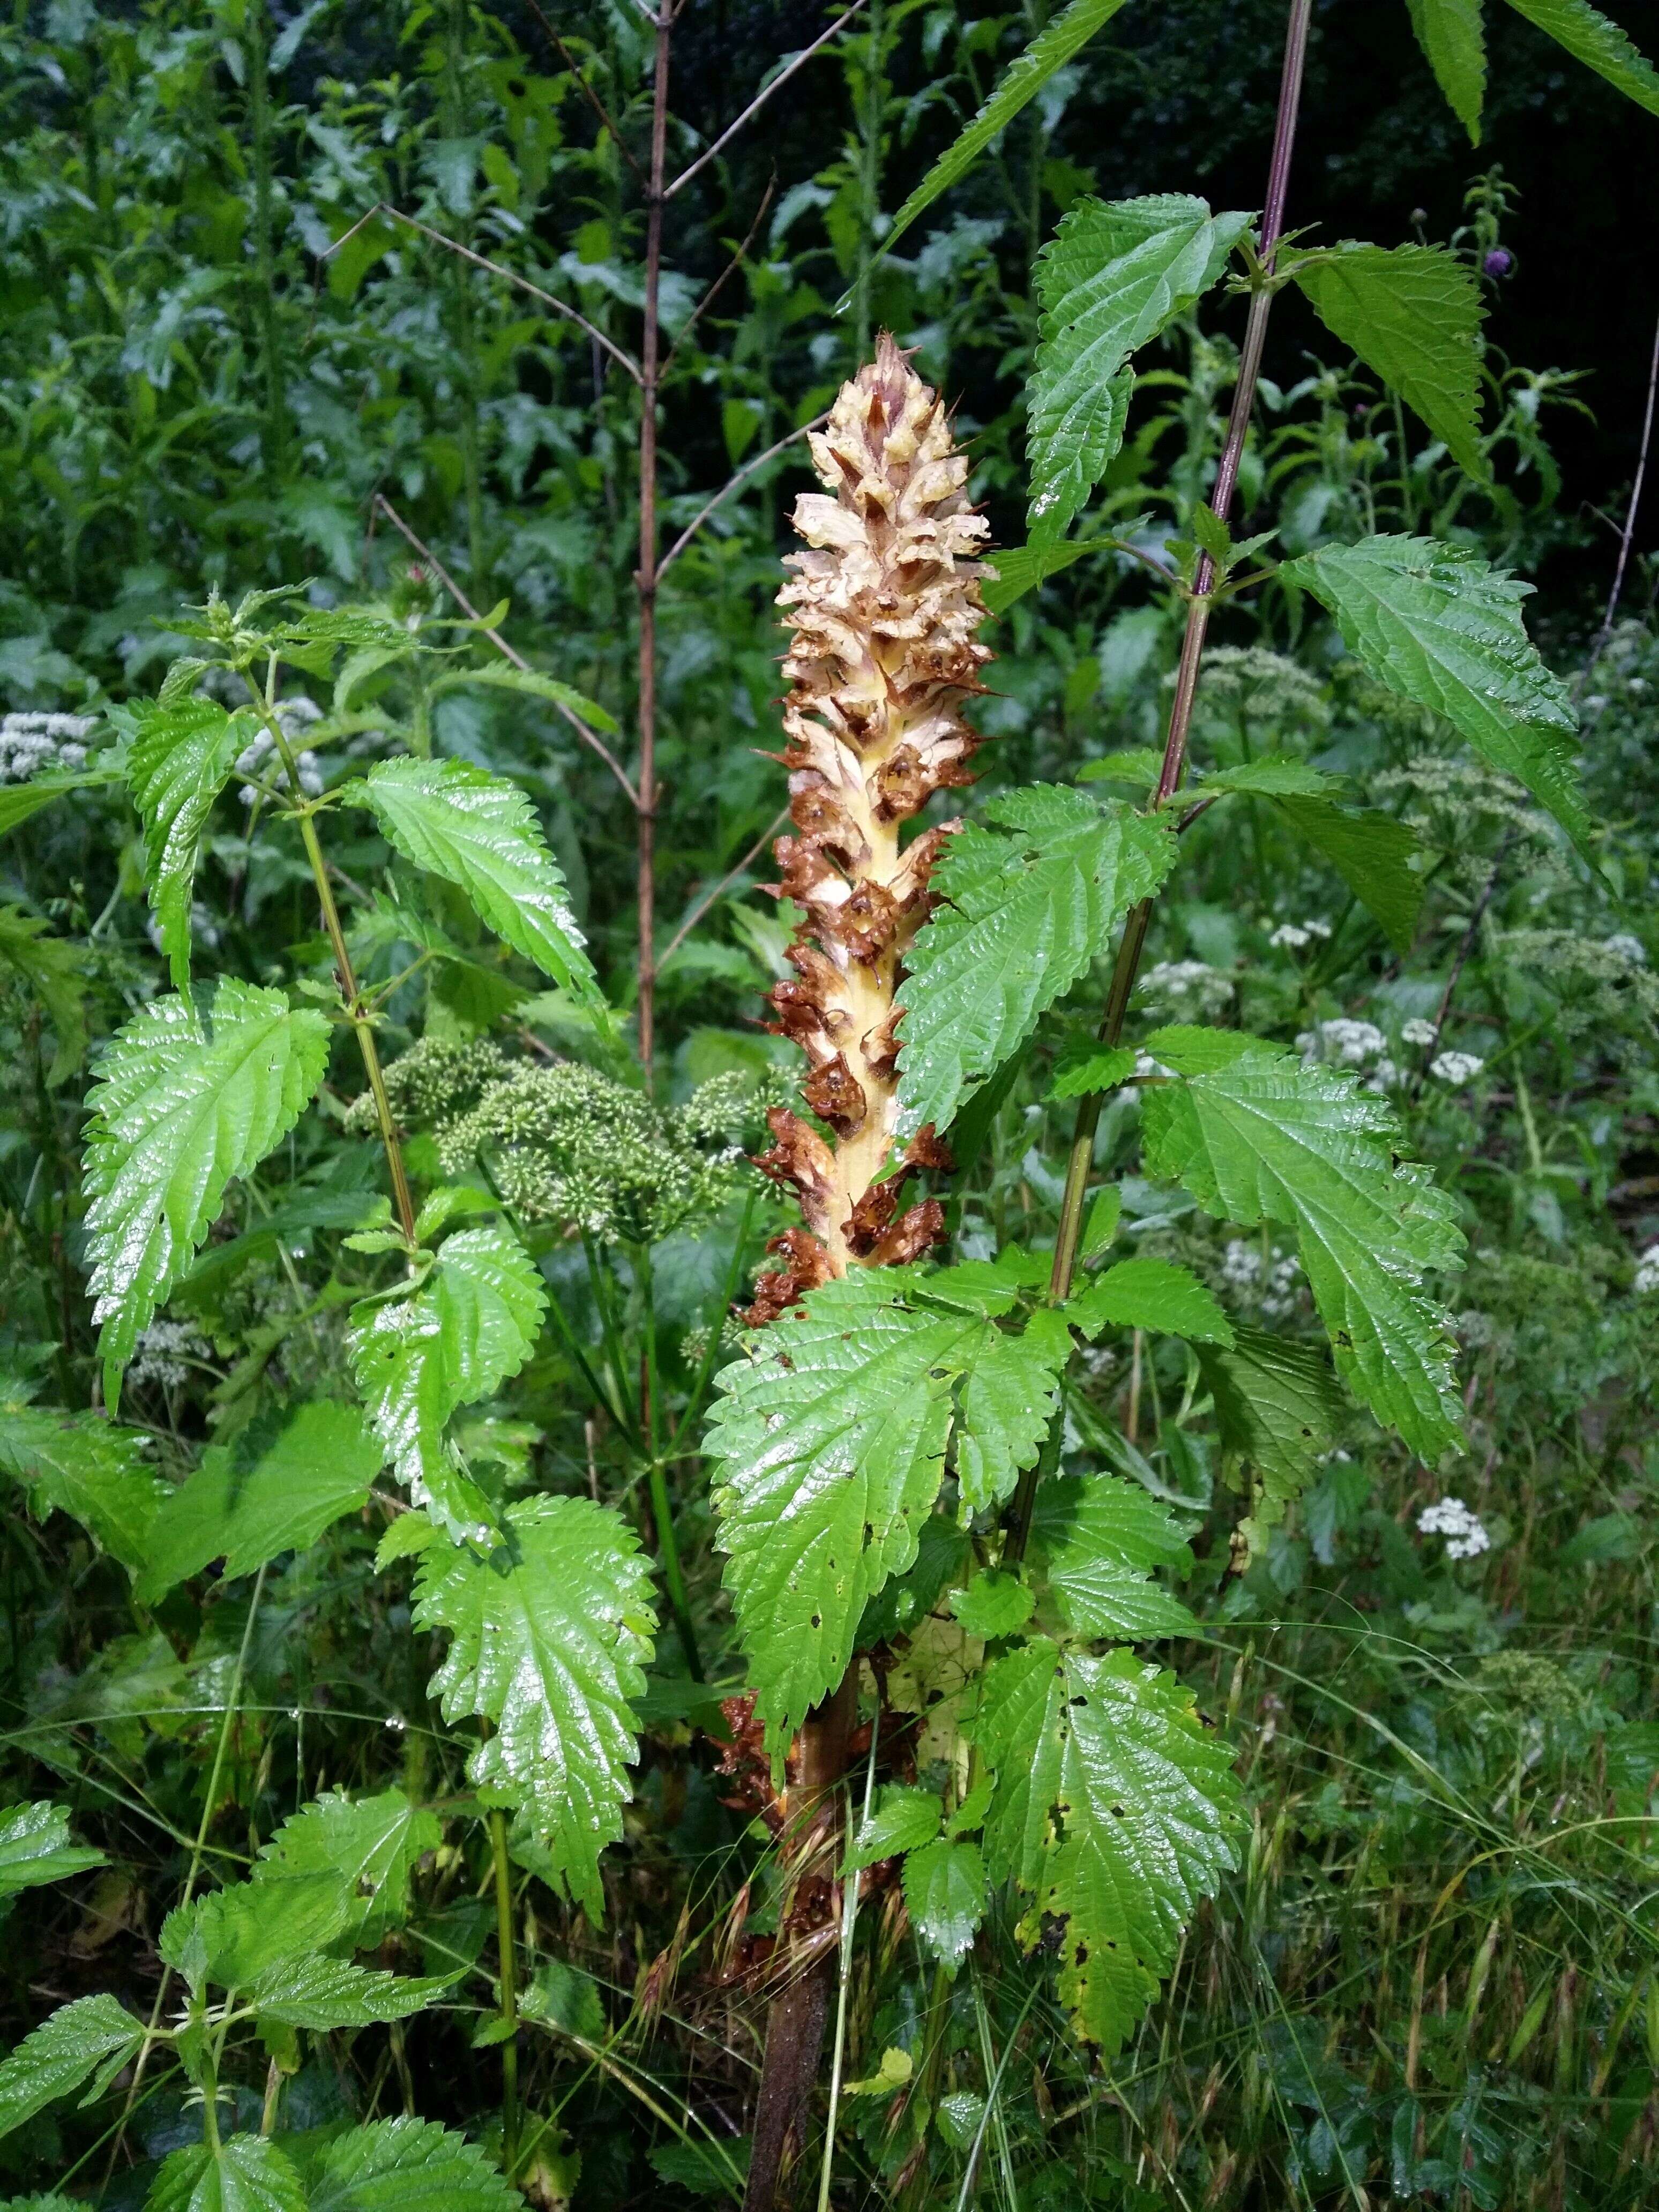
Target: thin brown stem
(748, 469)
(726, 881)
(588, 737)
(646, 576)
(591, 97)
(710, 296)
(760, 99)
(1080, 1164)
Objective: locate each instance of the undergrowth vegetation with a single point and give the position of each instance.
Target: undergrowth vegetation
(713, 1500)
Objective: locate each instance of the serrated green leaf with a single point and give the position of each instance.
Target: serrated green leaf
(1097, 1539)
(1021, 568)
(1440, 628)
(233, 1936)
(480, 833)
(272, 1491)
(1268, 1138)
(18, 801)
(372, 1844)
(1278, 1408)
(993, 1604)
(325, 1993)
(84, 1465)
(1105, 1211)
(829, 1442)
(1372, 852)
(1114, 275)
(1084, 1069)
(1025, 908)
(1113, 1807)
(1591, 38)
(1454, 39)
(407, 2165)
(945, 1897)
(92, 2035)
(716, 2168)
(472, 1322)
(36, 1847)
(548, 1637)
(1010, 1390)
(531, 684)
(243, 2174)
(181, 758)
(904, 1819)
(1153, 1294)
(1023, 78)
(1412, 314)
(1194, 1050)
(49, 965)
(1278, 776)
(191, 1092)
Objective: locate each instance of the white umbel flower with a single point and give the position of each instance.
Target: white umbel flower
(1465, 1532)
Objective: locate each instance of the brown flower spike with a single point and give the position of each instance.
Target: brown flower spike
(885, 606)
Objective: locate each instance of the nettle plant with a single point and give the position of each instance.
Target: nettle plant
(895, 1487)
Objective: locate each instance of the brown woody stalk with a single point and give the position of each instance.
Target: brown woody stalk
(885, 606)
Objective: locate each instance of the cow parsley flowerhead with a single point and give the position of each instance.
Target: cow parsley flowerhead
(1456, 1068)
(1465, 1532)
(1647, 1272)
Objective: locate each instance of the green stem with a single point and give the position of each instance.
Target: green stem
(350, 998)
(869, 172)
(662, 1507)
(265, 259)
(509, 2007)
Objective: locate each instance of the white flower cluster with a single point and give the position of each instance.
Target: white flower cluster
(1271, 1286)
(1297, 936)
(1626, 947)
(1647, 1271)
(1462, 1527)
(29, 742)
(1344, 1042)
(1418, 1032)
(295, 716)
(1457, 1067)
(1190, 987)
(164, 1352)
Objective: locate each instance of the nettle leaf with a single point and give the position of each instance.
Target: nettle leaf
(1453, 37)
(36, 1847)
(1153, 1294)
(93, 2036)
(531, 684)
(549, 1636)
(51, 967)
(234, 1936)
(480, 833)
(1097, 1539)
(1372, 852)
(1413, 314)
(372, 1844)
(1053, 47)
(1439, 627)
(321, 1993)
(272, 1491)
(1113, 1807)
(829, 1442)
(993, 1604)
(180, 759)
(1591, 38)
(1266, 1138)
(406, 2166)
(191, 1092)
(1278, 1408)
(241, 2173)
(1021, 568)
(904, 1819)
(945, 1897)
(472, 1323)
(1025, 907)
(84, 1465)
(1114, 275)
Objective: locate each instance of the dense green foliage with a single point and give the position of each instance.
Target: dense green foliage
(418, 1574)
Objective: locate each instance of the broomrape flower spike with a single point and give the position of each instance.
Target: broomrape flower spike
(884, 607)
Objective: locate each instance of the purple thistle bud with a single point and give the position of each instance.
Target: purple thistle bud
(1498, 261)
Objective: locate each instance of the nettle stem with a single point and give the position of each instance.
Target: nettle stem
(645, 579)
(357, 1012)
(508, 1958)
(1080, 1164)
